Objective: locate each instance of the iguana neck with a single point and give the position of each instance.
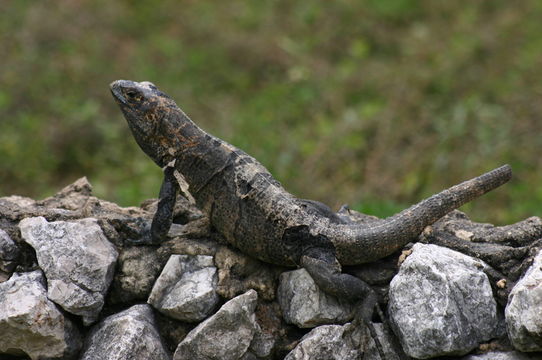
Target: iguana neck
(198, 156)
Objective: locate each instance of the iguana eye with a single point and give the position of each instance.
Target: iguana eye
(132, 95)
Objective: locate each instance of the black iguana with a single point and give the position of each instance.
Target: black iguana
(254, 212)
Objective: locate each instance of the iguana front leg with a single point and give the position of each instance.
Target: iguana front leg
(161, 222)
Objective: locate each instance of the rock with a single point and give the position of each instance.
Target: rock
(17, 201)
(15, 208)
(9, 252)
(238, 273)
(185, 246)
(330, 342)
(274, 338)
(171, 331)
(502, 247)
(509, 355)
(137, 269)
(59, 207)
(77, 197)
(262, 344)
(224, 336)
(199, 228)
(391, 347)
(72, 197)
(78, 262)
(305, 305)
(249, 356)
(130, 334)
(519, 234)
(31, 324)
(186, 288)
(441, 303)
(523, 316)
(338, 342)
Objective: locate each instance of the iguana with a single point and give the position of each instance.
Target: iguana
(256, 214)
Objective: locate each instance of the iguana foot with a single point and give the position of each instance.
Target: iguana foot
(143, 240)
(363, 317)
(326, 273)
(145, 233)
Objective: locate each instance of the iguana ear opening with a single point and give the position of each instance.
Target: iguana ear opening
(149, 85)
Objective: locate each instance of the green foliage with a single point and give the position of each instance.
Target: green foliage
(377, 103)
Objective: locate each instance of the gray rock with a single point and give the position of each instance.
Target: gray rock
(187, 246)
(273, 335)
(9, 252)
(441, 303)
(237, 273)
(171, 331)
(330, 342)
(224, 336)
(21, 201)
(16, 207)
(507, 249)
(31, 324)
(387, 339)
(262, 344)
(305, 305)
(510, 355)
(199, 228)
(523, 316)
(78, 262)
(137, 270)
(249, 356)
(336, 342)
(130, 334)
(186, 288)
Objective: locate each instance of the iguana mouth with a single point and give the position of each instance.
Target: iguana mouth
(118, 87)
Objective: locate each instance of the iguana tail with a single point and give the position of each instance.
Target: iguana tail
(357, 243)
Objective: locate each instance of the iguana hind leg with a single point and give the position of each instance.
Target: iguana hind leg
(317, 256)
(326, 273)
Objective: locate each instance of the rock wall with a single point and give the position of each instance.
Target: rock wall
(71, 287)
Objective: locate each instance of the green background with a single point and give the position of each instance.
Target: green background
(372, 103)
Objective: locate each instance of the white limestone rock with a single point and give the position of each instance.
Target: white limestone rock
(186, 288)
(344, 342)
(135, 274)
(130, 334)
(305, 305)
(78, 262)
(522, 313)
(509, 355)
(330, 342)
(441, 303)
(224, 336)
(32, 324)
(9, 252)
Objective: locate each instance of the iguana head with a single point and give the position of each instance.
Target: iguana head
(152, 116)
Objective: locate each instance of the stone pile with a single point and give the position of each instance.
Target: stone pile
(72, 287)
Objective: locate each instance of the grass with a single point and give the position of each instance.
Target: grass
(377, 103)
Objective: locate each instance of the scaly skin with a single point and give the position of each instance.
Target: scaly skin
(250, 208)
(254, 212)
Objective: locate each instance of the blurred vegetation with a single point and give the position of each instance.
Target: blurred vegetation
(373, 103)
